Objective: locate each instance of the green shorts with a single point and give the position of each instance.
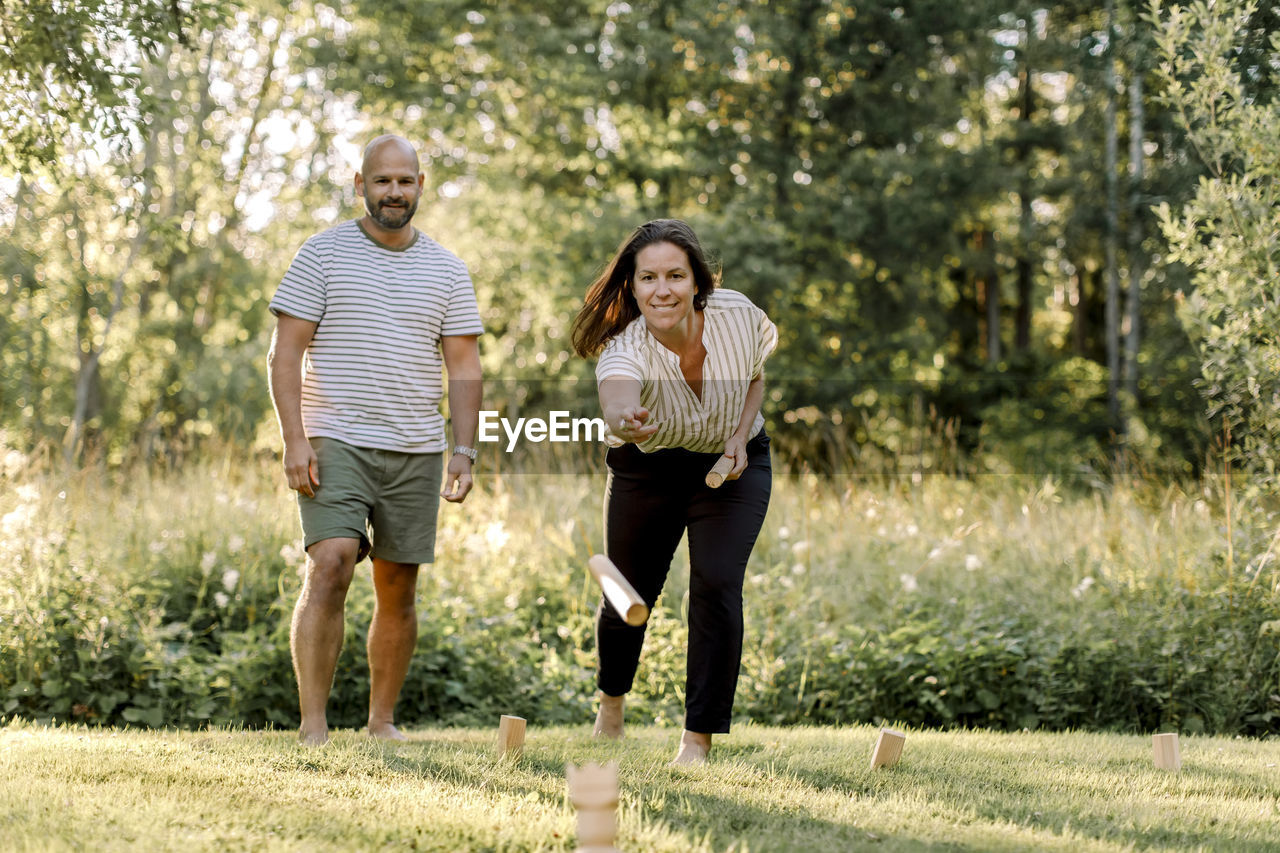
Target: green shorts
(387, 500)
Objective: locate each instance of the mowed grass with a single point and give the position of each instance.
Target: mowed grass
(767, 789)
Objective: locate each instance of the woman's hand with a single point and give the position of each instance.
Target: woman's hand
(630, 424)
(736, 449)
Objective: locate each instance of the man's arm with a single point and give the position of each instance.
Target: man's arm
(284, 375)
(462, 364)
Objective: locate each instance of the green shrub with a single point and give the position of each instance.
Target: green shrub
(999, 603)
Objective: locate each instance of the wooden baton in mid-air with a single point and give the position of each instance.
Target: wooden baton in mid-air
(718, 472)
(619, 592)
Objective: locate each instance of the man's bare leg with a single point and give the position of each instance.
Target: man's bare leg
(694, 747)
(315, 636)
(609, 717)
(392, 637)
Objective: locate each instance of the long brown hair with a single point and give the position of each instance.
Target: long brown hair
(610, 305)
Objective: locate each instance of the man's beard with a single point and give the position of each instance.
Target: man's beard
(391, 218)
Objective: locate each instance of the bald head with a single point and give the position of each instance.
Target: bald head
(390, 180)
(388, 144)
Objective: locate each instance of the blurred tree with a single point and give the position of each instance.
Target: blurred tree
(1228, 234)
(78, 67)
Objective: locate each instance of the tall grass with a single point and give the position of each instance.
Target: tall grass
(161, 597)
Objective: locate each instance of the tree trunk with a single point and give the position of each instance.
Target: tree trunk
(1137, 261)
(989, 287)
(1022, 315)
(1112, 229)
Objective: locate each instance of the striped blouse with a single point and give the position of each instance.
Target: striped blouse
(738, 338)
(372, 373)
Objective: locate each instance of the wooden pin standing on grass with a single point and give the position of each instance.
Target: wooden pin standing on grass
(593, 790)
(888, 748)
(1167, 755)
(618, 590)
(719, 471)
(510, 736)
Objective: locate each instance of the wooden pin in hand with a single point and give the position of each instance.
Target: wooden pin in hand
(719, 471)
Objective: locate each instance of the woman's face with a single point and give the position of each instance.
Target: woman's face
(664, 287)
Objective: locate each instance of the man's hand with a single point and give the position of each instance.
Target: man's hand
(301, 467)
(457, 479)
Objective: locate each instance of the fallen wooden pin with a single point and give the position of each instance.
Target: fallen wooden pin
(618, 591)
(1167, 754)
(510, 736)
(888, 748)
(593, 790)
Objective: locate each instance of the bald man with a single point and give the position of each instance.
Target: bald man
(368, 315)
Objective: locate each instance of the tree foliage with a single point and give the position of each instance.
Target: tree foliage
(911, 189)
(1228, 233)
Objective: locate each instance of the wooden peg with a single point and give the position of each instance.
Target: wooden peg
(888, 748)
(593, 790)
(1167, 754)
(510, 736)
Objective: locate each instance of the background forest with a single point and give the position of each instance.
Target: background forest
(1023, 258)
(950, 208)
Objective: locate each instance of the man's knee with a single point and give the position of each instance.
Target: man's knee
(331, 564)
(395, 586)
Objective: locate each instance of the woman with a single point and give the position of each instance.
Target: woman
(681, 382)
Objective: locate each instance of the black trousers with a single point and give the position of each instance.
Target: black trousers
(650, 500)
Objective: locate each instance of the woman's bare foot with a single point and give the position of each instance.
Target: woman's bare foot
(609, 717)
(694, 747)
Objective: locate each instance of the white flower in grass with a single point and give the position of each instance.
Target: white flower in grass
(235, 544)
(156, 547)
(784, 532)
(800, 549)
(1081, 588)
(908, 582)
(972, 563)
(496, 536)
(293, 552)
(17, 521)
(27, 493)
(229, 579)
(208, 561)
(798, 569)
(912, 530)
(512, 601)
(221, 599)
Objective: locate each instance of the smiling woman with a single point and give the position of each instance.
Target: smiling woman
(681, 383)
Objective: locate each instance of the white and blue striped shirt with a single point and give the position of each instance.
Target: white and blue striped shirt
(738, 338)
(372, 375)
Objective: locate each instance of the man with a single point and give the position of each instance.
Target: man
(365, 313)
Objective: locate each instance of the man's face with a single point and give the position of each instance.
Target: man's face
(391, 185)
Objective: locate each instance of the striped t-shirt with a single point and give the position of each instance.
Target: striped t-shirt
(372, 375)
(738, 338)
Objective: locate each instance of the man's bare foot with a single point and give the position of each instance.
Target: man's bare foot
(609, 717)
(385, 731)
(313, 735)
(694, 747)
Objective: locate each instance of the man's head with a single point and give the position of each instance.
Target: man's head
(390, 179)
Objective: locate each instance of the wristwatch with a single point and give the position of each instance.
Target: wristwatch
(469, 452)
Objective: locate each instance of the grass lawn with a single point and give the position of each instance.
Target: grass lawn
(767, 789)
